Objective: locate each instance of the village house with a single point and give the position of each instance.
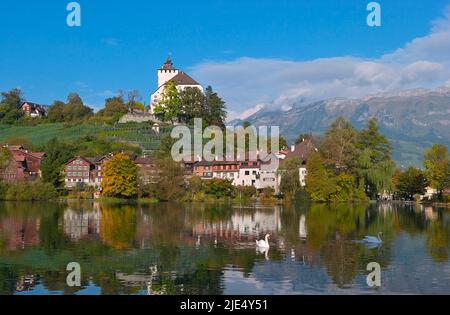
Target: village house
(268, 174)
(262, 173)
(240, 173)
(22, 165)
(148, 170)
(203, 169)
(429, 194)
(249, 173)
(34, 110)
(84, 171)
(89, 171)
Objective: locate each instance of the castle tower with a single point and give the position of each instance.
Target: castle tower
(166, 72)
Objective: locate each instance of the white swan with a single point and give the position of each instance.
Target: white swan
(263, 250)
(263, 243)
(373, 239)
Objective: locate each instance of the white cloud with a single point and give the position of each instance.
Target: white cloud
(248, 83)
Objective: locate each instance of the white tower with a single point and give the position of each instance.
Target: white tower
(166, 72)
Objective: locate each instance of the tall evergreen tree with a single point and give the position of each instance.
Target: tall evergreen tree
(217, 113)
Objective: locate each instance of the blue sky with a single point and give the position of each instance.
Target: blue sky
(242, 48)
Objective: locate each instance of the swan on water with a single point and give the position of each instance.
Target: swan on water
(373, 239)
(264, 243)
(263, 250)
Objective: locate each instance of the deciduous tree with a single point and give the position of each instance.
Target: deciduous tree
(290, 176)
(56, 112)
(320, 183)
(170, 185)
(437, 167)
(410, 182)
(10, 111)
(57, 154)
(120, 177)
(338, 148)
(374, 165)
(170, 106)
(193, 104)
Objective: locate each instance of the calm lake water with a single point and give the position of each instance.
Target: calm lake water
(210, 249)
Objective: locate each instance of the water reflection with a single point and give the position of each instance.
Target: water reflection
(210, 249)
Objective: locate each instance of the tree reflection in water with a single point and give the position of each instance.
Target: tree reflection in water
(120, 246)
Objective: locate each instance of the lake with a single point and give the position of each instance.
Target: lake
(210, 248)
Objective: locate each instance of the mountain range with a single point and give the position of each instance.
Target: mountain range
(412, 119)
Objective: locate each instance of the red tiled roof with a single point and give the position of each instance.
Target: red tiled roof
(183, 79)
(79, 157)
(39, 155)
(17, 156)
(302, 150)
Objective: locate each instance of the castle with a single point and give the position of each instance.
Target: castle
(169, 73)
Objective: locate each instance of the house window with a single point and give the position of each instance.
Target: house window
(254, 172)
(247, 172)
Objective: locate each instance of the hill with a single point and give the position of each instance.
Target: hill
(140, 135)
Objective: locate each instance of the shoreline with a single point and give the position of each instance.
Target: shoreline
(274, 202)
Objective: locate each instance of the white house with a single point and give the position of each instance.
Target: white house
(430, 192)
(249, 173)
(268, 176)
(169, 73)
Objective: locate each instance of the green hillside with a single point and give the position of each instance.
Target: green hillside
(40, 134)
(138, 134)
